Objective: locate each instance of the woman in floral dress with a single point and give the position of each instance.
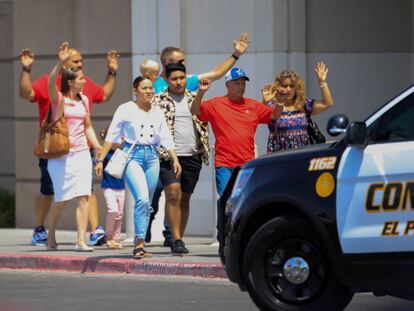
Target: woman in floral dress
(289, 130)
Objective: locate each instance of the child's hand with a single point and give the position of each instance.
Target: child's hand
(98, 169)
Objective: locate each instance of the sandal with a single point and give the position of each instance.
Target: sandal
(139, 253)
(118, 245)
(111, 244)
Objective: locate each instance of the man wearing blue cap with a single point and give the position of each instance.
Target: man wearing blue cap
(234, 120)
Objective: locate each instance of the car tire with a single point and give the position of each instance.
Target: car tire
(285, 267)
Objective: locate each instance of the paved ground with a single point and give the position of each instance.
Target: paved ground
(35, 291)
(40, 291)
(17, 253)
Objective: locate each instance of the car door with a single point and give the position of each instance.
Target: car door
(375, 186)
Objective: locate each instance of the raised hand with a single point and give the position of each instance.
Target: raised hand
(281, 94)
(64, 53)
(27, 58)
(268, 92)
(241, 45)
(204, 84)
(112, 60)
(321, 72)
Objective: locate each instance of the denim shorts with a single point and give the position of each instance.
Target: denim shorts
(191, 166)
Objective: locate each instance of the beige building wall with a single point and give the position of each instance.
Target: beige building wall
(368, 46)
(7, 133)
(93, 27)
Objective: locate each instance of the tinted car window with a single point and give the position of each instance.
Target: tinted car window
(397, 124)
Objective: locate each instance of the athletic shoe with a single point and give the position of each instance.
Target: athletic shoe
(98, 237)
(39, 236)
(178, 247)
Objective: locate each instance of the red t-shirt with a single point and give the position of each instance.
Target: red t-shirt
(234, 125)
(91, 90)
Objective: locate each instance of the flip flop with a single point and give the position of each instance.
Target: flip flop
(139, 253)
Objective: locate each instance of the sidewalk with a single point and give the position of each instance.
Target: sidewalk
(17, 253)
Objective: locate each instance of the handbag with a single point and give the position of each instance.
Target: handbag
(117, 164)
(53, 140)
(315, 135)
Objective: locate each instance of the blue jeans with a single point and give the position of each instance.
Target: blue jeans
(141, 176)
(223, 175)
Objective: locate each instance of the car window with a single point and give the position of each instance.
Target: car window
(397, 124)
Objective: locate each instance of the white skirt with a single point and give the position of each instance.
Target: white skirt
(71, 175)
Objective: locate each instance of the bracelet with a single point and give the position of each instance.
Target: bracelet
(323, 84)
(27, 69)
(280, 104)
(235, 57)
(97, 161)
(112, 73)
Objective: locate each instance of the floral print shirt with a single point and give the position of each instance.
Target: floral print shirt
(289, 131)
(166, 103)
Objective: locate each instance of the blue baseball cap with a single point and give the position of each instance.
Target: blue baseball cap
(236, 73)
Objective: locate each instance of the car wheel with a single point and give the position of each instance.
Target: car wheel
(285, 267)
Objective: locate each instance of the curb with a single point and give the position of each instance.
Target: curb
(109, 265)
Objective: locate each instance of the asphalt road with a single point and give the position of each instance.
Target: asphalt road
(41, 291)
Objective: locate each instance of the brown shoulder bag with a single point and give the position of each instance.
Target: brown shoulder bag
(53, 140)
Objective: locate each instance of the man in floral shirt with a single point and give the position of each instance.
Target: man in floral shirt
(192, 147)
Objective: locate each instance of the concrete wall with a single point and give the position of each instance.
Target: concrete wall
(367, 45)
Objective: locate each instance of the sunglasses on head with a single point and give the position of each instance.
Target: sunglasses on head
(288, 73)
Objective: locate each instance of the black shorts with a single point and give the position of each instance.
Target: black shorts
(191, 167)
(46, 186)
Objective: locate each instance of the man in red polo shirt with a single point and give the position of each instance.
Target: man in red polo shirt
(234, 120)
(38, 92)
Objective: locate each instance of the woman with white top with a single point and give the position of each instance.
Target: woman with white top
(144, 125)
(71, 174)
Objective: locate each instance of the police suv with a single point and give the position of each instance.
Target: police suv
(306, 229)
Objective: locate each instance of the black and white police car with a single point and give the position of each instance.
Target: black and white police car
(306, 229)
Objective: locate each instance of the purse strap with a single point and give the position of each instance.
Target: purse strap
(132, 147)
(48, 118)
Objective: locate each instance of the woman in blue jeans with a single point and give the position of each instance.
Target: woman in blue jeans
(143, 125)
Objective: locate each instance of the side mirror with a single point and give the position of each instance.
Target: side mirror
(337, 124)
(357, 134)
